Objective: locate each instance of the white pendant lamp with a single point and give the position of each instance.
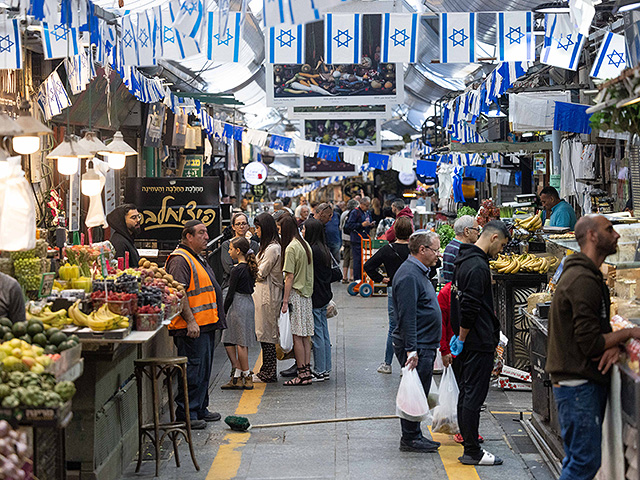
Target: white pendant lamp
(92, 143)
(117, 151)
(90, 183)
(68, 154)
(28, 141)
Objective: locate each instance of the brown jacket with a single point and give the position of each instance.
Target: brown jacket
(578, 319)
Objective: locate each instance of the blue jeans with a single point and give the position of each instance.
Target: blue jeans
(321, 341)
(356, 253)
(199, 353)
(426, 357)
(581, 412)
(388, 352)
(335, 251)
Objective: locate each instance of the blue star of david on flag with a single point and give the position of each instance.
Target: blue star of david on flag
(190, 7)
(617, 62)
(565, 46)
(60, 32)
(454, 37)
(285, 42)
(143, 37)
(400, 37)
(5, 43)
(169, 35)
(127, 38)
(515, 35)
(223, 41)
(347, 38)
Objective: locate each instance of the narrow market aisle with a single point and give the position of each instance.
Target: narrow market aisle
(354, 450)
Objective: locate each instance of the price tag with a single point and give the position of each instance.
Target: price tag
(148, 252)
(46, 284)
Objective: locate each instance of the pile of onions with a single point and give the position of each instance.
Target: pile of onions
(13, 452)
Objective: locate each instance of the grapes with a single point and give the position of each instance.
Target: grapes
(149, 296)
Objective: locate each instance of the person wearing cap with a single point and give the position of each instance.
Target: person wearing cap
(193, 331)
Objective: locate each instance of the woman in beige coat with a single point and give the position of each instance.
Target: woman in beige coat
(267, 295)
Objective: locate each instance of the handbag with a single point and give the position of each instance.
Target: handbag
(332, 309)
(336, 271)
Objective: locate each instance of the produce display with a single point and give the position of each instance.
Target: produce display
(48, 318)
(525, 263)
(464, 210)
(13, 451)
(33, 390)
(100, 320)
(531, 224)
(632, 346)
(33, 332)
(563, 236)
(487, 212)
(29, 265)
(446, 234)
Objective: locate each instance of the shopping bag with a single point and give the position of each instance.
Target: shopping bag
(411, 402)
(437, 364)
(433, 398)
(445, 415)
(498, 358)
(286, 338)
(17, 208)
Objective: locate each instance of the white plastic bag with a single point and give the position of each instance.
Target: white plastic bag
(17, 208)
(438, 366)
(411, 401)
(286, 338)
(433, 397)
(445, 415)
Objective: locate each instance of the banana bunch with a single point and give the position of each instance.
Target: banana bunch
(49, 318)
(523, 263)
(531, 224)
(104, 319)
(79, 318)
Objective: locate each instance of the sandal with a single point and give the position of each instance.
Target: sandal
(304, 377)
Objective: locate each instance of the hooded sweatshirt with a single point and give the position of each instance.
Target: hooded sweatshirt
(472, 300)
(121, 239)
(578, 318)
(390, 236)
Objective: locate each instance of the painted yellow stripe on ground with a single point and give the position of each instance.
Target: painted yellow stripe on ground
(227, 461)
(510, 413)
(449, 452)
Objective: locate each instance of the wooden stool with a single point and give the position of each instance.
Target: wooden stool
(153, 368)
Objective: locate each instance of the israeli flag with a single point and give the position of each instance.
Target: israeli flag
(516, 42)
(342, 38)
(612, 57)
(128, 41)
(562, 42)
(59, 40)
(286, 44)
(146, 39)
(226, 47)
(173, 44)
(190, 18)
(304, 11)
(107, 47)
(399, 37)
(458, 37)
(10, 43)
(78, 73)
(276, 12)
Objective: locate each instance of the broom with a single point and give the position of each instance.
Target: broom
(242, 424)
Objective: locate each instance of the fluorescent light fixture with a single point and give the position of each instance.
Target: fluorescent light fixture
(553, 7)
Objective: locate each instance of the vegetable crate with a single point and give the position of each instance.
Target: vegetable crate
(366, 287)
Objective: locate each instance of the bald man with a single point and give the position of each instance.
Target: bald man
(582, 346)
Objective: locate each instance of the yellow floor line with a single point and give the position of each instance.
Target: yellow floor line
(449, 452)
(510, 413)
(227, 461)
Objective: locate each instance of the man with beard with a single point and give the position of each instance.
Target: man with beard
(582, 347)
(125, 225)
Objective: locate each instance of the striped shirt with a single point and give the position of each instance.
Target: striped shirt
(448, 257)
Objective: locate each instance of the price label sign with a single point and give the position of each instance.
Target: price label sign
(255, 173)
(46, 284)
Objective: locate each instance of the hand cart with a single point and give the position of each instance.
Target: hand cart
(366, 287)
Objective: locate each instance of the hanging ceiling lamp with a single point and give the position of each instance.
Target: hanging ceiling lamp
(68, 154)
(28, 141)
(8, 126)
(92, 143)
(117, 151)
(90, 184)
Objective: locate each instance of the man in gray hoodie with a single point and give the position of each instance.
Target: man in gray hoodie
(418, 325)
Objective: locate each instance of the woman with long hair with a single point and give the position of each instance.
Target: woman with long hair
(239, 308)
(240, 227)
(297, 265)
(376, 209)
(313, 232)
(268, 295)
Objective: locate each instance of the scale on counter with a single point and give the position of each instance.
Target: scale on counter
(601, 202)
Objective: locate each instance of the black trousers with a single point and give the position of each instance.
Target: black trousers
(474, 386)
(199, 353)
(426, 357)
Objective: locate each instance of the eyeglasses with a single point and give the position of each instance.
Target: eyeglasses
(477, 229)
(437, 252)
(241, 224)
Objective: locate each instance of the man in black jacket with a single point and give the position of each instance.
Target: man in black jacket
(125, 225)
(474, 320)
(358, 225)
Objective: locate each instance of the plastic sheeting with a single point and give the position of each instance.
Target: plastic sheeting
(534, 111)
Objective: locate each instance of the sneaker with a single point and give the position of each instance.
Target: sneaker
(198, 424)
(290, 372)
(247, 382)
(211, 417)
(235, 383)
(384, 368)
(421, 446)
(485, 458)
(458, 438)
(326, 375)
(317, 377)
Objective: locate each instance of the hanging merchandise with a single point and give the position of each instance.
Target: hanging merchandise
(399, 37)
(581, 13)
(515, 39)
(128, 42)
(146, 38)
(426, 168)
(612, 57)
(458, 37)
(223, 47)
(479, 174)
(286, 44)
(11, 51)
(52, 96)
(343, 39)
(445, 184)
(107, 45)
(79, 72)
(534, 111)
(59, 40)
(173, 44)
(562, 42)
(190, 18)
(17, 208)
(456, 178)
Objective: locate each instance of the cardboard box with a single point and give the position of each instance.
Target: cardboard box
(506, 384)
(515, 373)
